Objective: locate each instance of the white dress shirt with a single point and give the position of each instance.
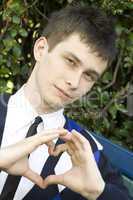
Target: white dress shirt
(20, 115)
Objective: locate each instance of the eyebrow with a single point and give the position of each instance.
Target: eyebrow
(90, 71)
(74, 57)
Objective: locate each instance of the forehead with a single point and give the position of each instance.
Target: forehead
(74, 45)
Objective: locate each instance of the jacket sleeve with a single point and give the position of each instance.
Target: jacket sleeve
(114, 187)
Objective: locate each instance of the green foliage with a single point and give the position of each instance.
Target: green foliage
(105, 108)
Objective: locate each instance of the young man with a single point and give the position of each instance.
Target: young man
(73, 52)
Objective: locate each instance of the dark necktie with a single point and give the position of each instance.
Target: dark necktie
(12, 182)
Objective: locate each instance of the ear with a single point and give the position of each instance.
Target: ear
(40, 48)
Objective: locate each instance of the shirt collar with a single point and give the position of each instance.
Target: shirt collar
(21, 103)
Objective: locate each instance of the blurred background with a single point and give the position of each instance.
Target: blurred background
(108, 109)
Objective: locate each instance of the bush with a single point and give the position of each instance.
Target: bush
(105, 109)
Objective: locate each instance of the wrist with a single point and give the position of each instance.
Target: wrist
(95, 193)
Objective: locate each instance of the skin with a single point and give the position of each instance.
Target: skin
(84, 171)
(57, 69)
(60, 77)
(14, 158)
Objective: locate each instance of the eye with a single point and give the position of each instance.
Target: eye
(70, 61)
(89, 77)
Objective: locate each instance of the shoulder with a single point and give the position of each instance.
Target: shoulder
(4, 98)
(72, 124)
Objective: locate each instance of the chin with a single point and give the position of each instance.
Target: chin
(53, 105)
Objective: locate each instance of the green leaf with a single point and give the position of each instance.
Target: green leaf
(8, 43)
(16, 6)
(17, 51)
(113, 111)
(131, 38)
(13, 32)
(6, 15)
(15, 70)
(1, 59)
(16, 19)
(69, 1)
(121, 107)
(107, 77)
(105, 97)
(23, 32)
(119, 29)
(130, 5)
(10, 84)
(106, 123)
(2, 85)
(4, 71)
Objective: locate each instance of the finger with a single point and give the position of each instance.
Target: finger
(54, 179)
(60, 131)
(74, 150)
(63, 132)
(72, 140)
(51, 144)
(59, 149)
(76, 142)
(65, 148)
(35, 178)
(80, 137)
(82, 140)
(62, 148)
(51, 147)
(72, 136)
(37, 140)
(66, 137)
(26, 146)
(71, 146)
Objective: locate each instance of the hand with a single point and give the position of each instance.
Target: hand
(84, 177)
(14, 158)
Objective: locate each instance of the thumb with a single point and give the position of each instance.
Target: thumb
(51, 146)
(34, 177)
(54, 179)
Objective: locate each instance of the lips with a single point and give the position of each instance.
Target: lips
(64, 93)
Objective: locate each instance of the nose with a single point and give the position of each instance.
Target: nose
(73, 80)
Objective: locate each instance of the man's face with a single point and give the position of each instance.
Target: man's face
(67, 72)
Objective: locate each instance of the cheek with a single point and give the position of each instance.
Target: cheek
(85, 86)
(46, 71)
(54, 67)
